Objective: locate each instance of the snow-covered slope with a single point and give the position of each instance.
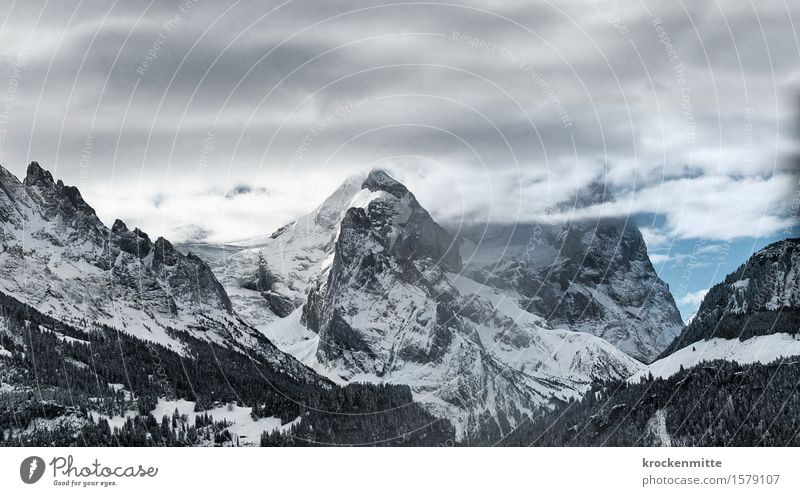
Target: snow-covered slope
(593, 277)
(758, 349)
(752, 316)
(761, 297)
(386, 301)
(59, 258)
(294, 254)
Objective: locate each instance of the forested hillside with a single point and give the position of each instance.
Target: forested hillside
(60, 374)
(717, 404)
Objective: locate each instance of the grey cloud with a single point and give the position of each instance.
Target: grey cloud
(83, 109)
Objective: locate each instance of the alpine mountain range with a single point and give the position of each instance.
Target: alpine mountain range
(366, 322)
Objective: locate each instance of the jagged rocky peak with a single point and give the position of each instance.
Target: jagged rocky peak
(55, 197)
(379, 180)
(135, 242)
(35, 175)
(386, 240)
(119, 227)
(69, 255)
(400, 224)
(589, 275)
(392, 305)
(761, 297)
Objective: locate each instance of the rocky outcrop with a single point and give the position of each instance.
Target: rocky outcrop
(59, 258)
(392, 307)
(383, 296)
(588, 276)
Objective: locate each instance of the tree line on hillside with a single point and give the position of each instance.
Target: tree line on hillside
(718, 403)
(61, 371)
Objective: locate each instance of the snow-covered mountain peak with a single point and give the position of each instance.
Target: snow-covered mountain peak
(400, 224)
(57, 256)
(55, 194)
(368, 287)
(379, 180)
(329, 213)
(391, 306)
(590, 276)
(298, 251)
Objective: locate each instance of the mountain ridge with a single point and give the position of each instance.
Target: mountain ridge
(57, 256)
(104, 323)
(591, 276)
(387, 302)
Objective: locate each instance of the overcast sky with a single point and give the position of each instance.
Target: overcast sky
(220, 120)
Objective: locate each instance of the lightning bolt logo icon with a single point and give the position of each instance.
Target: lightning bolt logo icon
(32, 470)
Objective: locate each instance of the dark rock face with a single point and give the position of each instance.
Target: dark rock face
(761, 297)
(387, 308)
(391, 240)
(593, 277)
(382, 287)
(60, 204)
(609, 258)
(420, 236)
(134, 242)
(379, 180)
(280, 305)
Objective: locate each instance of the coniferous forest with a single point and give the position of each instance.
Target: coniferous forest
(61, 373)
(719, 403)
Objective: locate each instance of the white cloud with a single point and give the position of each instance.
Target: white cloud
(710, 207)
(186, 211)
(485, 136)
(659, 258)
(694, 298)
(654, 238)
